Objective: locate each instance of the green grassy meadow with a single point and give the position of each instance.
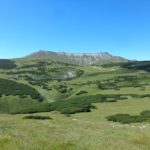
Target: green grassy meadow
(54, 89)
(82, 131)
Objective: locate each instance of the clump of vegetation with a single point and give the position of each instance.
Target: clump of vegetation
(114, 64)
(83, 103)
(139, 96)
(7, 64)
(40, 83)
(62, 88)
(126, 118)
(39, 64)
(137, 65)
(71, 106)
(134, 65)
(79, 73)
(120, 82)
(145, 113)
(37, 117)
(81, 92)
(38, 72)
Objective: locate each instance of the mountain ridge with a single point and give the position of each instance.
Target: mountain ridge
(76, 58)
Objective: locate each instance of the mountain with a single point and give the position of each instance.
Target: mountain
(76, 58)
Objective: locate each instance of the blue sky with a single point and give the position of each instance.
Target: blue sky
(120, 27)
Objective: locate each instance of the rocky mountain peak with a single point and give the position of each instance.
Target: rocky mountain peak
(76, 58)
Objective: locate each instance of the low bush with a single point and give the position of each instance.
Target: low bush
(37, 117)
(126, 118)
(145, 113)
(62, 88)
(79, 73)
(71, 106)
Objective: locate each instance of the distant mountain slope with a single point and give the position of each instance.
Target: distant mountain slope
(76, 58)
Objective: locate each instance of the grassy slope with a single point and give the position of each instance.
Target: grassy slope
(82, 131)
(91, 73)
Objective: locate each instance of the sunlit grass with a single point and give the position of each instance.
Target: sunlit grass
(83, 131)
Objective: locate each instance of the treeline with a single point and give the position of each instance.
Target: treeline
(134, 65)
(115, 64)
(8, 87)
(137, 65)
(7, 64)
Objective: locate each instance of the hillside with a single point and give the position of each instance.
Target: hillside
(70, 88)
(74, 107)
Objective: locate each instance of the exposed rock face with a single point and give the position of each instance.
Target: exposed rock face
(68, 75)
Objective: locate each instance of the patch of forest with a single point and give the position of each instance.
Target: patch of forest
(8, 87)
(7, 64)
(137, 65)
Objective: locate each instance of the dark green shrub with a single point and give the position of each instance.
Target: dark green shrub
(112, 100)
(145, 113)
(79, 73)
(37, 117)
(122, 118)
(7, 64)
(62, 88)
(126, 118)
(82, 103)
(137, 65)
(8, 87)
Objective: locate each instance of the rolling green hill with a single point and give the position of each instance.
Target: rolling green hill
(68, 88)
(74, 107)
